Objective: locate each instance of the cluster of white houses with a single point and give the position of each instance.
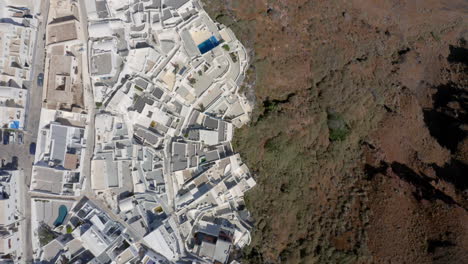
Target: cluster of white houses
(165, 185)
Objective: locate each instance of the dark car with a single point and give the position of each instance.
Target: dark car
(40, 79)
(20, 138)
(32, 148)
(6, 137)
(13, 165)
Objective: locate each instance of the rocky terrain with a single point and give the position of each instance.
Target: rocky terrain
(359, 136)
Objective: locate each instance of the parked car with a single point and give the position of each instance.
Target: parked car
(20, 138)
(32, 148)
(6, 137)
(40, 79)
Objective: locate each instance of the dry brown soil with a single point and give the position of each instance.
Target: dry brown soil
(359, 138)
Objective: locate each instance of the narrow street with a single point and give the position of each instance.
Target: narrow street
(31, 126)
(89, 103)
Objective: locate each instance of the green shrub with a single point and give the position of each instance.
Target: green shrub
(338, 129)
(138, 88)
(338, 134)
(233, 56)
(45, 234)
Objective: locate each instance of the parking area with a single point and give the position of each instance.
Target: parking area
(15, 151)
(12, 136)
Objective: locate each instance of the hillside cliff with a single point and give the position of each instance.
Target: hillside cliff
(359, 135)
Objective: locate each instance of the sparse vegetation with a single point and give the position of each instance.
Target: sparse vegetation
(226, 47)
(201, 107)
(46, 234)
(138, 88)
(176, 68)
(233, 56)
(229, 117)
(337, 126)
(435, 36)
(311, 204)
(242, 89)
(287, 155)
(158, 209)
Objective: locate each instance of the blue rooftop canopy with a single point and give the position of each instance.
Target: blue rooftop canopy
(15, 125)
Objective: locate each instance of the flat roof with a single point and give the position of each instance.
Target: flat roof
(211, 95)
(62, 32)
(59, 142)
(63, 85)
(148, 136)
(210, 123)
(71, 161)
(179, 149)
(47, 179)
(189, 44)
(158, 93)
(156, 175)
(141, 83)
(101, 9)
(193, 117)
(175, 3)
(211, 155)
(179, 165)
(154, 4)
(221, 131)
(111, 171)
(207, 249)
(101, 64)
(222, 251)
(98, 181)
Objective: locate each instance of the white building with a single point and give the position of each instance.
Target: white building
(16, 41)
(10, 215)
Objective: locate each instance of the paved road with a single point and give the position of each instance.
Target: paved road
(168, 175)
(34, 101)
(89, 103)
(33, 112)
(31, 126)
(32, 120)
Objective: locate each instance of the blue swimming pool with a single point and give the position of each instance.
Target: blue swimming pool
(63, 211)
(208, 45)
